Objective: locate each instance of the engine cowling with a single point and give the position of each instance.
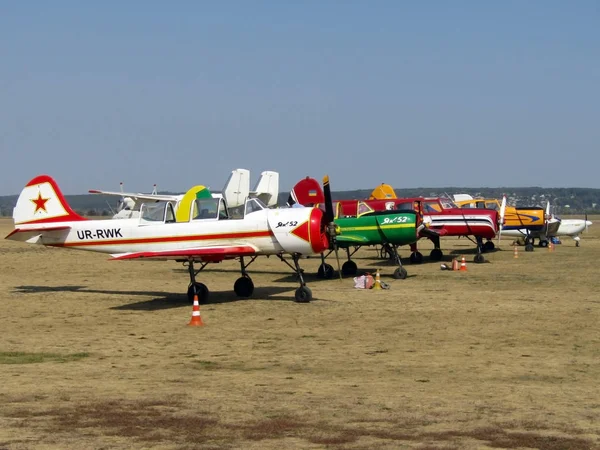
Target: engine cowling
(299, 230)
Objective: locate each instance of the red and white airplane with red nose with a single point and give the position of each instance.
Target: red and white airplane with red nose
(42, 216)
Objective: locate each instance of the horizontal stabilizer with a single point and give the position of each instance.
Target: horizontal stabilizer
(32, 234)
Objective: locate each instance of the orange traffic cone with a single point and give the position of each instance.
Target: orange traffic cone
(463, 265)
(377, 284)
(550, 247)
(516, 252)
(196, 320)
(454, 264)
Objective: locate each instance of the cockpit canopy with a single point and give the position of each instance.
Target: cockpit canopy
(209, 208)
(152, 213)
(200, 209)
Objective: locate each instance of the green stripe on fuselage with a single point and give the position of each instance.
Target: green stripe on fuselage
(374, 229)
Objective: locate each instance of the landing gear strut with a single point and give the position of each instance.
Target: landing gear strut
(479, 258)
(326, 271)
(303, 294)
(400, 273)
(195, 288)
(243, 286)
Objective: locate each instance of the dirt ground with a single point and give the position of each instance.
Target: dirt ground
(505, 355)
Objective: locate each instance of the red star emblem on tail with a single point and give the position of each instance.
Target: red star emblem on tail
(40, 203)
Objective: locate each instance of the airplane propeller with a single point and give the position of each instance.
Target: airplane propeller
(587, 223)
(328, 222)
(502, 213)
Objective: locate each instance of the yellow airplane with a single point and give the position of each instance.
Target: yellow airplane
(529, 223)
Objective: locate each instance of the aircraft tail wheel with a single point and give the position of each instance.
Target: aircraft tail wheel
(543, 243)
(529, 248)
(202, 291)
(303, 295)
(400, 273)
(479, 258)
(243, 287)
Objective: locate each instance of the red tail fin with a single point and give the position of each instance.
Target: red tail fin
(41, 201)
(307, 192)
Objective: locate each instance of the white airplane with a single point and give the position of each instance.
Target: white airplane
(235, 192)
(573, 228)
(42, 216)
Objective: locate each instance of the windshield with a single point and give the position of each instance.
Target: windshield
(254, 204)
(447, 203)
(153, 212)
(363, 208)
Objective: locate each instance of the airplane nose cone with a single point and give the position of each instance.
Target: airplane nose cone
(588, 223)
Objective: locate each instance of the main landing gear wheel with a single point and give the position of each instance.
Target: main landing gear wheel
(416, 258)
(400, 273)
(303, 295)
(488, 246)
(325, 271)
(201, 290)
(436, 254)
(479, 258)
(243, 286)
(349, 268)
(543, 243)
(529, 247)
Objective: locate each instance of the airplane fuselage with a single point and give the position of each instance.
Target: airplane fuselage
(267, 231)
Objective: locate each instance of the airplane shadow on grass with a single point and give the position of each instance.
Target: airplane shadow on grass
(168, 300)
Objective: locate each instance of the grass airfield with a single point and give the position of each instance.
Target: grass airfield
(97, 354)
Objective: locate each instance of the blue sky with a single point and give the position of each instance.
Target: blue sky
(431, 93)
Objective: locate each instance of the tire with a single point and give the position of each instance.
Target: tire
(325, 271)
(400, 273)
(543, 243)
(479, 258)
(416, 258)
(303, 295)
(243, 287)
(202, 291)
(529, 247)
(349, 268)
(436, 254)
(489, 246)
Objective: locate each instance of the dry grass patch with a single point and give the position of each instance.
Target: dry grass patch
(31, 358)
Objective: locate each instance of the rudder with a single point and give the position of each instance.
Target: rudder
(41, 201)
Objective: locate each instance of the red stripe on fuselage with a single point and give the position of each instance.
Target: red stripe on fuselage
(158, 240)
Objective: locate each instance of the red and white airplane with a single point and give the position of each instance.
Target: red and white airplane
(42, 216)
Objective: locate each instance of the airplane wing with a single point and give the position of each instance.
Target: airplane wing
(430, 233)
(207, 254)
(151, 197)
